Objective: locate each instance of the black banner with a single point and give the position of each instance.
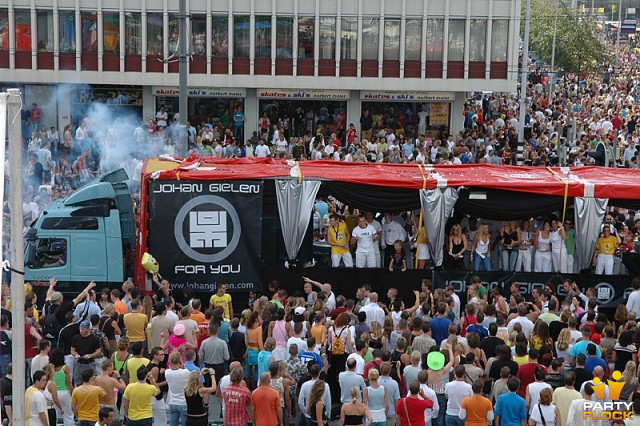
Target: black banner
(207, 233)
(611, 290)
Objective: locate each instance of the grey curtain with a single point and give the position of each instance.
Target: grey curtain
(295, 202)
(437, 205)
(589, 213)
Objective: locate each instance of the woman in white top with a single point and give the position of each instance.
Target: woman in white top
(480, 252)
(532, 395)
(558, 248)
(545, 409)
(523, 263)
(542, 243)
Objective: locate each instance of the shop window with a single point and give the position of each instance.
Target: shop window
(198, 35)
(435, 31)
(477, 42)
(241, 42)
(220, 36)
(327, 37)
(413, 39)
(23, 30)
(174, 34)
(263, 37)
(133, 33)
(155, 41)
(499, 40)
(391, 50)
(111, 33)
(45, 30)
(67, 31)
(456, 40)
(4, 29)
(89, 32)
(370, 38)
(284, 37)
(305, 37)
(349, 38)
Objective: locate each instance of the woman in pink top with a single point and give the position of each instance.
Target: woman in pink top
(176, 342)
(280, 330)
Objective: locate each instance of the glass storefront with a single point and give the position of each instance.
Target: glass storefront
(200, 109)
(411, 118)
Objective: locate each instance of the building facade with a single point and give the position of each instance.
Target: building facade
(401, 59)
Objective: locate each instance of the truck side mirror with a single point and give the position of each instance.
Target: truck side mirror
(31, 254)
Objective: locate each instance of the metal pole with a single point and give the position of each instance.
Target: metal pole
(14, 103)
(553, 51)
(182, 53)
(523, 87)
(619, 31)
(593, 7)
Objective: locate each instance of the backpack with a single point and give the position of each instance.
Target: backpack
(50, 325)
(337, 346)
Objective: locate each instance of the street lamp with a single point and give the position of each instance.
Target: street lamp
(553, 50)
(523, 87)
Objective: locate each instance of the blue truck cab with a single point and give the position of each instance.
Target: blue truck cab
(88, 236)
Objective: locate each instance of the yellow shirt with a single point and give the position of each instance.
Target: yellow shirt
(132, 367)
(87, 397)
(136, 324)
(607, 245)
(224, 301)
(140, 396)
(338, 235)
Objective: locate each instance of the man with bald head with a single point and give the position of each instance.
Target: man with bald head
(597, 382)
(373, 310)
(266, 401)
(326, 289)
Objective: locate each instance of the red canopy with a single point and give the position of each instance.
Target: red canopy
(579, 181)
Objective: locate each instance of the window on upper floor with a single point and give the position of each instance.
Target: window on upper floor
(391, 50)
(111, 32)
(499, 40)
(45, 30)
(23, 30)
(327, 37)
(133, 33)
(478, 40)
(241, 35)
(284, 37)
(435, 35)
(349, 38)
(263, 37)
(370, 38)
(413, 39)
(220, 36)
(456, 39)
(305, 37)
(155, 35)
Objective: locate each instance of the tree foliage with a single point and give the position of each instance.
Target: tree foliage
(578, 46)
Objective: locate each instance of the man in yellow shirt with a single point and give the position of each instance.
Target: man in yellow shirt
(222, 299)
(136, 323)
(605, 249)
(85, 399)
(338, 239)
(138, 399)
(133, 364)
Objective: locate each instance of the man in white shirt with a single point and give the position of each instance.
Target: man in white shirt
(527, 325)
(262, 150)
(633, 303)
(577, 409)
(35, 403)
(373, 311)
(358, 356)
(455, 392)
(365, 236)
(373, 222)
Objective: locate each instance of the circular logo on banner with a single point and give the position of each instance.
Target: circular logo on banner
(207, 228)
(605, 292)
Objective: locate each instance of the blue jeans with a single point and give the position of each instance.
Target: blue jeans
(478, 260)
(177, 415)
(5, 360)
(251, 372)
(509, 258)
(454, 420)
(442, 402)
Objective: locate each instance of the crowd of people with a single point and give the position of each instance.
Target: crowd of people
(314, 356)
(541, 244)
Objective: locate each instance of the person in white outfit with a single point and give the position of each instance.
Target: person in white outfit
(542, 243)
(365, 235)
(523, 263)
(558, 247)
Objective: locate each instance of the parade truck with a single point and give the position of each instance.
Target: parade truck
(246, 222)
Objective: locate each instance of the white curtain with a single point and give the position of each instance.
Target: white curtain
(295, 202)
(589, 213)
(437, 205)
